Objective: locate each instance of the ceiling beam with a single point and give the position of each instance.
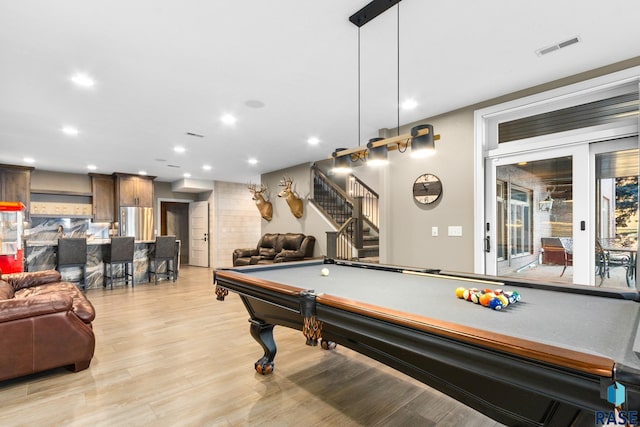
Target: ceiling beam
(371, 11)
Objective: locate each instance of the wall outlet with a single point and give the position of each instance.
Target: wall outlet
(455, 230)
(434, 231)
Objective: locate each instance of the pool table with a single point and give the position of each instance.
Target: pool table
(546, 360)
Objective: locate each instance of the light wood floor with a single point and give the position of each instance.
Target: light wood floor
(171, 355)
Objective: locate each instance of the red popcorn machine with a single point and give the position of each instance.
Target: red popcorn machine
(11, 223)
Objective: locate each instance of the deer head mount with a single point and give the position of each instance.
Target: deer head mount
(265, 207)
(294, 202)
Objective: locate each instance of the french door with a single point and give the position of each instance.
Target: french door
(537, 215)
(567, 215)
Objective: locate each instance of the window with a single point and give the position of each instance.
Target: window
(514, 231)
(520, 221)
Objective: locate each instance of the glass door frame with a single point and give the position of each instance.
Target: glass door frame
(600, 147)
(581, 220)
(486, 145)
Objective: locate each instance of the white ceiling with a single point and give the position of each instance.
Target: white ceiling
(164, 68)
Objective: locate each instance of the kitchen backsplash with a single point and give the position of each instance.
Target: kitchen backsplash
(46, 229)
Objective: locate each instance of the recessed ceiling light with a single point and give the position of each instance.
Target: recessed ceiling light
(206, 167)
(29, 160)
(179, 149)
(313, 140)
(253, 161)
(69, 130)
(82, 79)
(228, 119)
(187, 175)
(409, 104)
(92, 167)
(142, 172)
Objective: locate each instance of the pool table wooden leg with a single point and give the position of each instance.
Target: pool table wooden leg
(221, 293)
(263, 334)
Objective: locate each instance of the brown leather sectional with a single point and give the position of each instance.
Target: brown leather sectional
(44, 323)
(276, 247)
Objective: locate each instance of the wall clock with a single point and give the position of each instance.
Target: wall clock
(427, 189)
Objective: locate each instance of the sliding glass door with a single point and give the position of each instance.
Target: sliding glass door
(533, 215)
(616, 212)
(565, 215)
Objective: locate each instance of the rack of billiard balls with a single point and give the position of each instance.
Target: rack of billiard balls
(496, 299)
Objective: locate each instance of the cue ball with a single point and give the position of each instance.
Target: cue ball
(324, 272)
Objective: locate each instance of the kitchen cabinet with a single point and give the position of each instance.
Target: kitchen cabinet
(15, 184)
(103, 197)
(134, 190)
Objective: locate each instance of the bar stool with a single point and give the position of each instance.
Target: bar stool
(165, 253)
(72, 252)
(120, 252)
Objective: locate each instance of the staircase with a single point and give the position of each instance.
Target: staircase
(353, 213)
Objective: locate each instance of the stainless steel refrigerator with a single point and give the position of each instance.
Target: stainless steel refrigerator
(136, 222)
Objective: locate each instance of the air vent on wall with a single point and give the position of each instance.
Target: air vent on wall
(557, 46)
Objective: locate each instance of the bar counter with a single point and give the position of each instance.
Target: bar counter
(41, 255)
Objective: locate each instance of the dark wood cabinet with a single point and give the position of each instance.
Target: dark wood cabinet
(103, 197)
(15, 184)
(133, 190)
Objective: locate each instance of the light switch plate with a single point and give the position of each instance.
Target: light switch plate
(434, 231)
(455, 230)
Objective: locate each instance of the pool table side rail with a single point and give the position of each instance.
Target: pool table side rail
(627, 294)
(245, 279)
(566, 358)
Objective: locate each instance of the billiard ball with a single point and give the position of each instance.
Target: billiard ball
(486, 298)
(460, 292)
(516, 295)
(503, 299)
(324, 272)
(475, 297)
(495, 303)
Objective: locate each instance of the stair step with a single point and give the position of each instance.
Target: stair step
(368, 252)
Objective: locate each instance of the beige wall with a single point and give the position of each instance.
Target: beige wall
(405, 234)
(60, 181)
(405, 231)
(283, 220)
(162, 190)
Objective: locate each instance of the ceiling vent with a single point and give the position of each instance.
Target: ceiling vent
(197, 135)
(557, 46)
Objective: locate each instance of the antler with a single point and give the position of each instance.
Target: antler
(285, 182)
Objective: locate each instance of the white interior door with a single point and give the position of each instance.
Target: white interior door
(199, 234)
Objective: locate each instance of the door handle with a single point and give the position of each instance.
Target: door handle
(487, 244)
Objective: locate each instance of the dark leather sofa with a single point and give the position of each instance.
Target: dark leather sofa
(276, 247)
(44, 323)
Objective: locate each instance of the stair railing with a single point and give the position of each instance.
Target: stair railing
(348, 212)
(357, 188)
(332, 199)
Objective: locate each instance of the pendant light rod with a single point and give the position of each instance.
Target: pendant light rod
(371, 11)
(391, 143)
(359, 86)
(398, 66)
